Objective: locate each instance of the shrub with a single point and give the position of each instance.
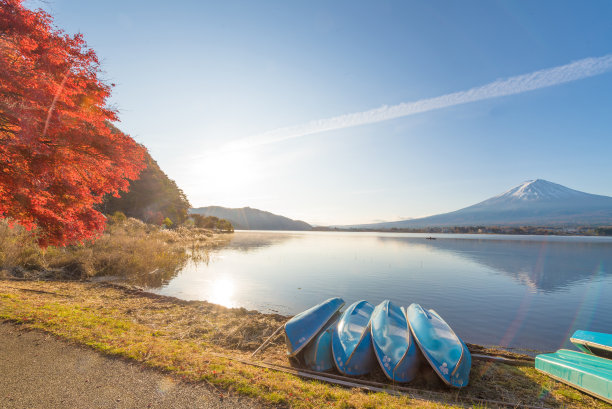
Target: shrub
(167, 223)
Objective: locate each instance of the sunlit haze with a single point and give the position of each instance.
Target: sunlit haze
(351, 112)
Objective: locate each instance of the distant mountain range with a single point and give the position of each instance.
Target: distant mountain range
(246, 218)
(534, 203)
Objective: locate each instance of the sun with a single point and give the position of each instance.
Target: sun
(225, 172)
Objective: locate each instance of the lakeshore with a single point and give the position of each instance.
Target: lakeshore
(196, 341)
(521, 292)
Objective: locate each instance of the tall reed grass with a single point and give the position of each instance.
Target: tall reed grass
(127, 248)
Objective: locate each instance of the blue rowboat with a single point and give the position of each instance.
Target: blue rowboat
(351, 342)
(302, 328)
(588, 373)
(444, 350)
(394, 346)
(596, 343)
(318, 354)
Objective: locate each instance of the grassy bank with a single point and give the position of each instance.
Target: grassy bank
(193, 339)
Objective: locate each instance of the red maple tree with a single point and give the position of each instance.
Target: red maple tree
(58, 156)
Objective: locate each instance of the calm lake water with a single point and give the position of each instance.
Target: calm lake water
(527, 292)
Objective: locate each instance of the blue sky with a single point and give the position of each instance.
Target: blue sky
(194, 77)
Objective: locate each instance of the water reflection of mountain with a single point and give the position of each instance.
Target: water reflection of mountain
(545, 265)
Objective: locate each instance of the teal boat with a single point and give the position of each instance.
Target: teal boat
(596, 343)
(444, 350)
(352, 341)
(302, 328)
(318, 354)
(393, 344)
(588, 373)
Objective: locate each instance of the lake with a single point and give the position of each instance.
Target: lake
(524, 292)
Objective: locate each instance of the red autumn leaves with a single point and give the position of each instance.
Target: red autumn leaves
(58, 156)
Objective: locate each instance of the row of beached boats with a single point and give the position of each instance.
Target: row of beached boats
(363, 336)
(589, 371)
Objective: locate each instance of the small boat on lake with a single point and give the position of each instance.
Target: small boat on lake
(393, 343)
(318, 354)
(589, 373)
(596, 343)
(352, 340)
(444, 350)
(302, 328)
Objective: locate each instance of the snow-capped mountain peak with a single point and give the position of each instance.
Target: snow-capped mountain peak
(538, 190)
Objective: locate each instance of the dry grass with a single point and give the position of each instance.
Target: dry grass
(190, 338)
(145, 253)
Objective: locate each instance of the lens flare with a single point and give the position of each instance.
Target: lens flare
(584, 314)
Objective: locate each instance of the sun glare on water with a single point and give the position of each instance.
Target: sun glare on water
(222, 291)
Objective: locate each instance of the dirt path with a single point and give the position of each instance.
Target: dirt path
(40, 371)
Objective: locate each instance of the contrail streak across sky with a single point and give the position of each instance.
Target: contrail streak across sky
(549, 77)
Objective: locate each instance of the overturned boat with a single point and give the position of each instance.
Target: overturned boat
(393, 343)
(351, 342)
(302, 328)
(596, 343)
(588, 373)
(318, 353)
(444, 350)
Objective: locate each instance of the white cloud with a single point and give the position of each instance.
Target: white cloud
(549, 77)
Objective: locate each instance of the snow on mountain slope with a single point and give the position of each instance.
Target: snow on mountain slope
(539, 191)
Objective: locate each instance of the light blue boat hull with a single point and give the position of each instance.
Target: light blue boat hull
(597, 343)
(588, 373)
(393, 344)
(352, 340)
(318, 354)
(444, 350)
(302, 328)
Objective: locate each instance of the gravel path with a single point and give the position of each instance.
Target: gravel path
(40, 371)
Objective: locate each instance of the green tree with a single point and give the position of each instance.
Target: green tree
(118, 217)
(205, 222)
(225, 226)
(211, 222)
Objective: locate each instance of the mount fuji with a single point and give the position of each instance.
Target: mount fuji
(534, 203)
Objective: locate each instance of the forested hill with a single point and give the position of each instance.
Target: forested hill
(246, 218)
(151, 198)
